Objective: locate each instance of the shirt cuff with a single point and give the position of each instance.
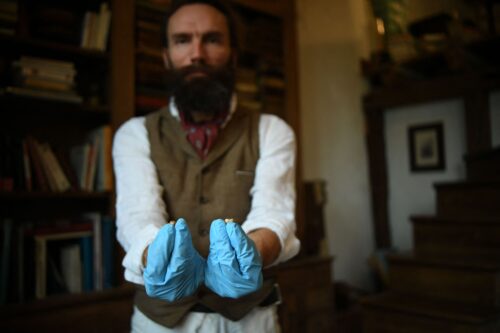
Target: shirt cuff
(133, 259)
(290, 245)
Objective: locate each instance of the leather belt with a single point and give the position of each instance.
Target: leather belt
(274, 298)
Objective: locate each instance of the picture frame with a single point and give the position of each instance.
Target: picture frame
(426, 145)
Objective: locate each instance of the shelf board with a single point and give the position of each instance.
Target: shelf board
(22, 204)
(27, 105)
(39, 46)
(274, 7)
(61, 301)
(428, 90)
(270, 7)
(60, 313)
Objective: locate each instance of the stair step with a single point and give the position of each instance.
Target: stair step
(447, 238)
(468, 199)
(484, 166)
(473, 283)
(396, 313)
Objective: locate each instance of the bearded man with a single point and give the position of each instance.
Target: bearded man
(223, 177)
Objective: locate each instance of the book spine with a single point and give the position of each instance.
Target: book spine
(62, 181)
(90, 176)
(87, 263)
(104, 19)
(41, 180)
(5, 263)
(108, 251)
(40, 267)
(42, 152)
(97, 250)
(27, 167)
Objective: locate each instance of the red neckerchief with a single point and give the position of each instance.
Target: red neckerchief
(202, 135)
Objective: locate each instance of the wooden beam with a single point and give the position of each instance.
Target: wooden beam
(122, 61)
(378, 176)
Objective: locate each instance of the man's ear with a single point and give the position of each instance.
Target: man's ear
(166, 59)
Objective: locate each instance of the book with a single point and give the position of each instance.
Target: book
(41, 150)
(103, 22)
(246, 87)
(47, 84)
(71, 267)
(79, 158)
(5, 259)
(95, 28)
(95, 219)
(63, 158)
(40, 178)
(61, 182)
(62, 66)
(20, 263)
(101, 138)
(87, 263)
(9, 7)
(8, 162)
(70, 97)
(108, 236)
(91, 166)
(43, 72)
(27, 167)
(41, 254)
(85, 30)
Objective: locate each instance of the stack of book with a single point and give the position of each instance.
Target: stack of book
(8, 17)
(41, 258)
(272, 85)
(91, 161)
(247, 90)
(27, 164)
(150, 70)
(95, 29)
(48, 171)
(45, 78)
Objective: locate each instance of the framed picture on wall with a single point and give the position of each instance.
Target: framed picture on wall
(426, 147)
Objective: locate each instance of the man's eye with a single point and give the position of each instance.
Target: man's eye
(213, 40)
(181, 40)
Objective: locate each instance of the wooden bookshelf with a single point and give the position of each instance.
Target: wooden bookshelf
(51, 204)
(27, 44)
(60, 123)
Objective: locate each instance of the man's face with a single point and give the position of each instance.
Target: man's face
(197, 34)
(199, 57)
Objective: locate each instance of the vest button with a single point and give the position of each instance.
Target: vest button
(203, 200)
(204, 232)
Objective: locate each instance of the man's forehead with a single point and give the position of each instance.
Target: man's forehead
(197, 18)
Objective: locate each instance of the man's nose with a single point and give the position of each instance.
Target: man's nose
(197, 53)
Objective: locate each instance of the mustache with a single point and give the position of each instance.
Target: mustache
(196, 68)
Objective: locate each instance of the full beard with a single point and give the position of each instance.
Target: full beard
(208, 94)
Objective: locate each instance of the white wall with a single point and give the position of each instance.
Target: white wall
(331, 41)
(333, 35)
(495, 118)
(413, 193)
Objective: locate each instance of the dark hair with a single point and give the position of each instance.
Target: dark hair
(220, 5)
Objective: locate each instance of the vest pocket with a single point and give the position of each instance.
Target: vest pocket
(248, 173)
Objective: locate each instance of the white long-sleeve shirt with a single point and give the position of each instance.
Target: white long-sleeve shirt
(141, 211)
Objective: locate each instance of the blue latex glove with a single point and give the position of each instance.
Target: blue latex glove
(174, 268)
(234, 266)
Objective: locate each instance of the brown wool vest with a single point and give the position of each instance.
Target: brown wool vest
(200, 191)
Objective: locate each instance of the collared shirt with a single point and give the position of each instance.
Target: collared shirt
(141, 210)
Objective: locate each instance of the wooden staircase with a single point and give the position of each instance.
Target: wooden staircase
(450, 283)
